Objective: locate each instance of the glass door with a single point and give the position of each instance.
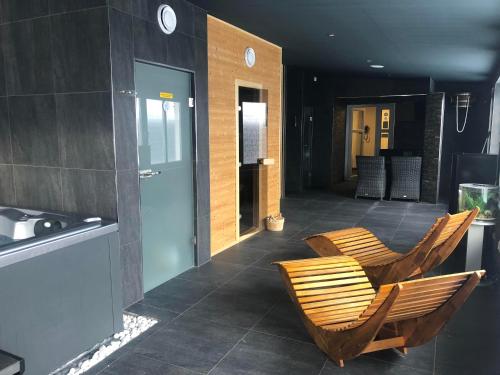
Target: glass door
(164, 128)
(252, 130)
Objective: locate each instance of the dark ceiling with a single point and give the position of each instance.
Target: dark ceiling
(454, 40)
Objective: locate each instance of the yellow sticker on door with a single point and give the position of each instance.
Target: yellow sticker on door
(166, 95)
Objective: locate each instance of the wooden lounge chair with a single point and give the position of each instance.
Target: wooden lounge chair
(381, 264)
(347, 317)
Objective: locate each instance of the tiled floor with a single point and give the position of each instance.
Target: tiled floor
(232, 316)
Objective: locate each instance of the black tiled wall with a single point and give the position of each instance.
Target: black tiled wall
(431, 161)
(56, 128)
(338, 157)
(135, 34)
(67, 129)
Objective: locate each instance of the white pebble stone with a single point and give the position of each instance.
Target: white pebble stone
(133, 327)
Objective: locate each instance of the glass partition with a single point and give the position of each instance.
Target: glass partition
(254, 132)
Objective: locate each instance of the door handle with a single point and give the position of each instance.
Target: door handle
(148, 173)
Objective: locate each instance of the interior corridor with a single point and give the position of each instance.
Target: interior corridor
(233, 316)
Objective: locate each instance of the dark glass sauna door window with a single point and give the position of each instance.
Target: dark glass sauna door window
(252, 147)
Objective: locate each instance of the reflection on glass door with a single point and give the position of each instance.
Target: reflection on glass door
(252, 132)
(164, 128)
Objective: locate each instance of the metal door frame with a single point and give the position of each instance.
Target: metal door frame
(238, 238)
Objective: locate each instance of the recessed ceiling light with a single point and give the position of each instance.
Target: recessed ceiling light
(376, 66)
(331, 35)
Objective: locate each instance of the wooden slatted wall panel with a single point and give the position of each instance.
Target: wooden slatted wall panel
(226, 66)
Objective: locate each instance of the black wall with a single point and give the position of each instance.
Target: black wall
(409, 119)
(476, 131)
(135, 34)
(67, 110)
(432, 147)
(331, 90)
(322, 94)
(293, 129)
(56, 130)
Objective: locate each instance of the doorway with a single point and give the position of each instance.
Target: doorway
(165, 149)
(252, 146)
(369, 129)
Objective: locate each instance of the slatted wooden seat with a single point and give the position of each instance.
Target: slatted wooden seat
(347, 317)
(381, 264)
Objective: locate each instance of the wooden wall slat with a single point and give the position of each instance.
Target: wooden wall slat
(226, 66)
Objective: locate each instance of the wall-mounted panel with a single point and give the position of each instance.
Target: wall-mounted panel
(227, 70)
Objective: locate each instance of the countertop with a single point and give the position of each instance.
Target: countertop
(29, 250)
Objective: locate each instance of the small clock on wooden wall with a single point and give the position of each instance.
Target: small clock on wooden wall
(250, 57)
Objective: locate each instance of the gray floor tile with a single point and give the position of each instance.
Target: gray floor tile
(240, 255)
(158, 313)
(365, 365)
(322, 226)
(385, 217)
(263, 242)
(125, 350)
(467, 354)
(240, 309)
(421, 357)
(409, 224)
(302, 251)
(264, 354)
(387, 211)
(427, 219)
(284, 321)
(136, 364)
(291, 227)
(177, 294)
(395, 203)
(195, 344)
(261, 283)
(215, 273)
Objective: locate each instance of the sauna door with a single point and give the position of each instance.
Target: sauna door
(252, 131)
(164, 128)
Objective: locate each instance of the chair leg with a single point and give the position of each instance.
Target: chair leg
(403, 350)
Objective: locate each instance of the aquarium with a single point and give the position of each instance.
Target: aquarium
(485, 197)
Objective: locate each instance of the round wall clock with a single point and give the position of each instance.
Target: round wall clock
(250, 57)
(167, 19)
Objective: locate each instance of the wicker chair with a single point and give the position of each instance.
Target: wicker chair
(371, 177)
(406, 177)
